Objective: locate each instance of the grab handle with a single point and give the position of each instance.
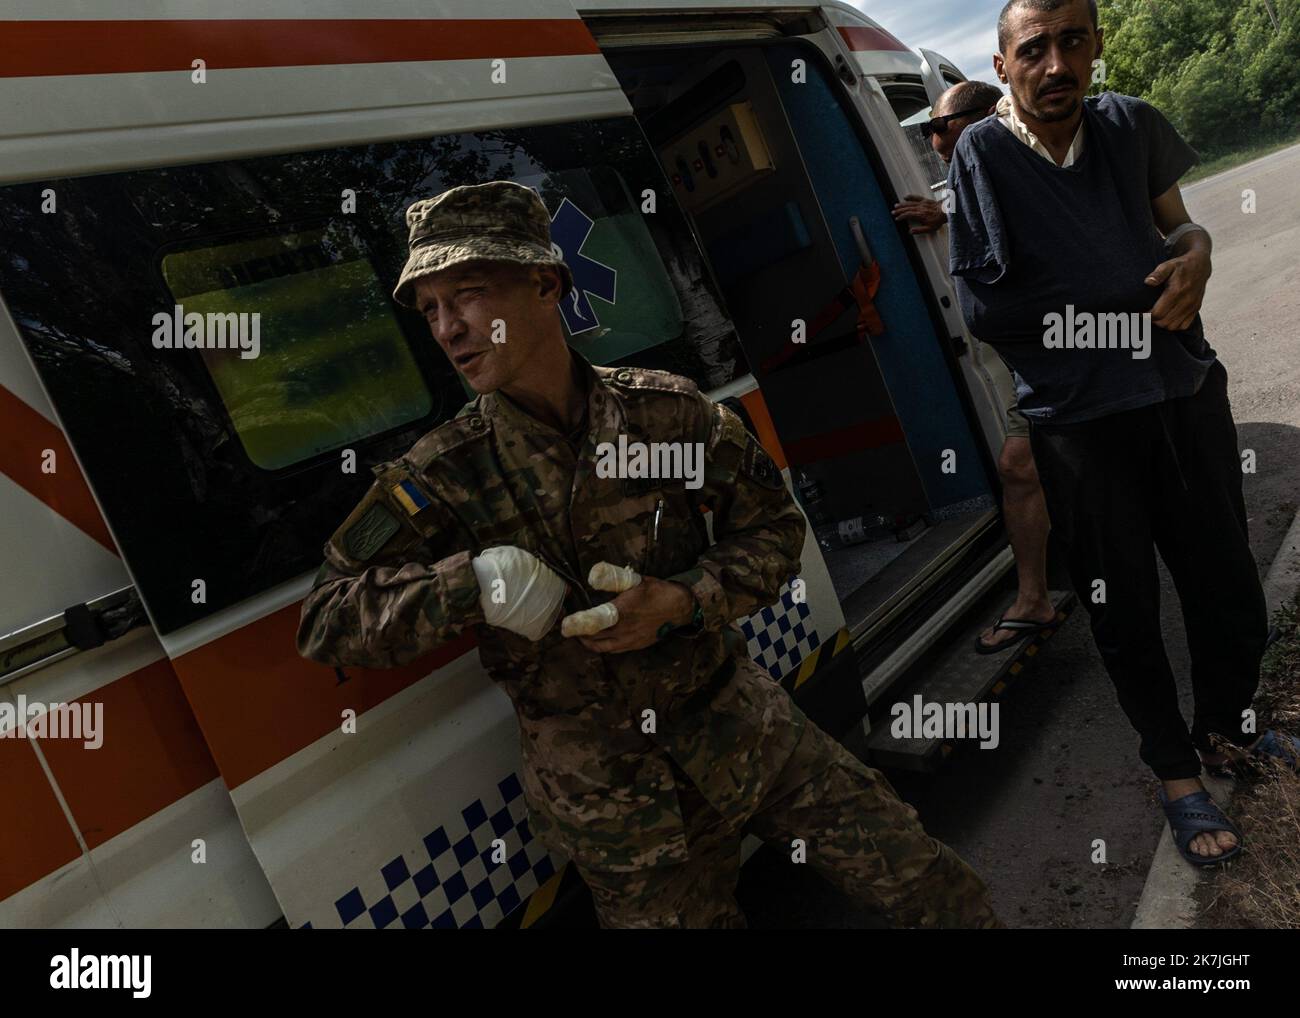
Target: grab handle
(859, 238)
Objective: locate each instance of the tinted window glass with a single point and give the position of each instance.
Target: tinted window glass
(322, 361)
(935, 168)
(230, 470)
(912, 107)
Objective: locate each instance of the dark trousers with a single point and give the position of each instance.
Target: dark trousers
(1165, 477)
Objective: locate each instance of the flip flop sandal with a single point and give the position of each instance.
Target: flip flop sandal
(1022, 626)
(1196, 814)
(1279, 745)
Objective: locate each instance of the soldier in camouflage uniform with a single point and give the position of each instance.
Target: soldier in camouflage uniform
(651, 748)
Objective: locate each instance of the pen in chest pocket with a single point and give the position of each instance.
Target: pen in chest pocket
(654, 535)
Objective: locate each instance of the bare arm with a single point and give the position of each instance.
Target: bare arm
(1185, 275)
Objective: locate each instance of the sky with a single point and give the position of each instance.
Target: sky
(964, 31)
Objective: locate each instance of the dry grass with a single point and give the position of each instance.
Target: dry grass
(1262, 888)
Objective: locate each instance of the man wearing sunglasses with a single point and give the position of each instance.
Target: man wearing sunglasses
(939, 125)
(962, 105)
(1023, 506)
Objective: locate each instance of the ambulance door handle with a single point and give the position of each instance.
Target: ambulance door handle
(80, 627)
(859, 238)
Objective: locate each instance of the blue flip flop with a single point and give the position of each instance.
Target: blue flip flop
(1196, 814)
(1280, 746)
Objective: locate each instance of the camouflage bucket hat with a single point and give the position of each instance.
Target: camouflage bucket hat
(500, 220)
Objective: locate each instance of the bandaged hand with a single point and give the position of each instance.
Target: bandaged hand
(607, 577)
(518, 591)
(632, 621)
(611, 578)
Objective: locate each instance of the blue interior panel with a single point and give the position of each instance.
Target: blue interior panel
(911, 360)
(763, 241)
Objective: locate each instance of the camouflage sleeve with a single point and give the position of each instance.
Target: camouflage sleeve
(393, 587)
(757, 528)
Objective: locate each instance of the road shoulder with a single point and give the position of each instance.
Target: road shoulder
(1167, 898)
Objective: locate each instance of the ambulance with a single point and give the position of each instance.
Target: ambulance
(720, 177)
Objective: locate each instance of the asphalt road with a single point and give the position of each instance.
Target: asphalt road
(1067, 772)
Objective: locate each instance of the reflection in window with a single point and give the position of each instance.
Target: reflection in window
(935, 168)
(645, 311)
(248, 506)
(912, 108)
(333, 366)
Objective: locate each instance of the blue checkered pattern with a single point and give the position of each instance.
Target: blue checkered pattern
(450, 880)
(780, 636)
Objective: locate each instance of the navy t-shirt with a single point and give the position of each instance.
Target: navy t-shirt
(1029, 239)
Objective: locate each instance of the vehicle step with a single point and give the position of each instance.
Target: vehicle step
(958, 675)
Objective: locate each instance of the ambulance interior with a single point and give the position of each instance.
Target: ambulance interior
(788, 204)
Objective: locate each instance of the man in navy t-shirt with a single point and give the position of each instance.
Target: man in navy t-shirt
(1075, 258)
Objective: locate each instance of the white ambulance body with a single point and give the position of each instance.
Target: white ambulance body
(258, 156)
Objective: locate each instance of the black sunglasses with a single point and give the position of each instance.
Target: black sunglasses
(939, 125)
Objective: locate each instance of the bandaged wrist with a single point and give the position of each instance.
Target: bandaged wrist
(518, 591)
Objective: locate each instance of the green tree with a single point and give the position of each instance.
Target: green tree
(1219, 69)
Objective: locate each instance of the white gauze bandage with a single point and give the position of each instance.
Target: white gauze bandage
(603, 576)
(615, 579)
(518, 591)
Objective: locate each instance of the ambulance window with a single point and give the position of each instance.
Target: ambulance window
(644, 296)
(909, 107)
(912, 107)
(640, 309)
(321, 361)
(235, 470)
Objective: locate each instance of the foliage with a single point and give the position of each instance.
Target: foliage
(1218, 69)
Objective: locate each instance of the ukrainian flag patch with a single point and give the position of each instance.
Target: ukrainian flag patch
(409, 496)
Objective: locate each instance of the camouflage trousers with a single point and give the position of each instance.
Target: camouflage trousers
(858, 834)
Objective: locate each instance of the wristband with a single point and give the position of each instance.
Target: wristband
(696, 620)
(1172, 240)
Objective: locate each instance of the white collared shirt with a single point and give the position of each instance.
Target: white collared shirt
(1006, 114)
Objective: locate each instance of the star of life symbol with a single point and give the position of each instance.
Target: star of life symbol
(570, 227)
